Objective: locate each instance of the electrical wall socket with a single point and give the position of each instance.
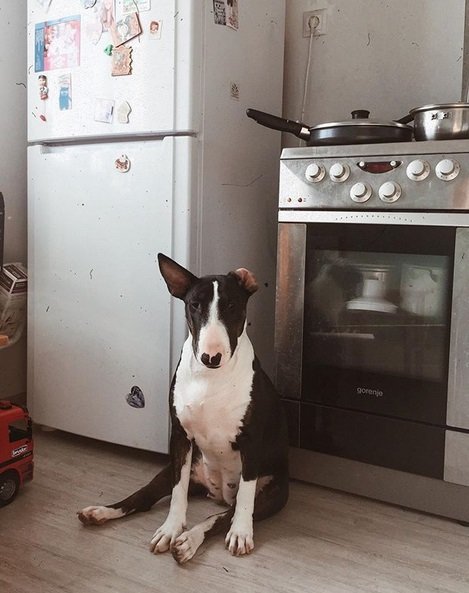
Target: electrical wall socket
(317, 19)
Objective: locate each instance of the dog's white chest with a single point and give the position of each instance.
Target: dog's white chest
(211, 405)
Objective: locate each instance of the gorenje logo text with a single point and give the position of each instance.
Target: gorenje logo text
(372, 392)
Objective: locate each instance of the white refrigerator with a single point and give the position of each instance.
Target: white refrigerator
(134, 149)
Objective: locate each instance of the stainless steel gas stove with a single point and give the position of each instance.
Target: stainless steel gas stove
(372, 319)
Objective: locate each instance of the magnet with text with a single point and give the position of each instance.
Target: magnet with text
(122, 163)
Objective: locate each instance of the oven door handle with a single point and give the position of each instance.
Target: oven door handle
(289, 310)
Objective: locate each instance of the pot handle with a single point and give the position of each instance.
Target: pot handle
(279, 123)
(405, 120)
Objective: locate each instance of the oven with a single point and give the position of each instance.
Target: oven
(372, 319)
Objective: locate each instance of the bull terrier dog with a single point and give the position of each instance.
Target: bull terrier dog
(228, 429)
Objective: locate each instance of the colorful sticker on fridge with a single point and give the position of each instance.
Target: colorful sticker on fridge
(103, 110)
(155, 29)
(65, 92)
(57, 44)
(43, 88)
(126, 29)
(121, 61)
(127, 6)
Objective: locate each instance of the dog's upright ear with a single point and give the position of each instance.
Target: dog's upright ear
(246, 279)
(177, 278)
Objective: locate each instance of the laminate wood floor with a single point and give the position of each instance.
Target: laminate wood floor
(324, 540)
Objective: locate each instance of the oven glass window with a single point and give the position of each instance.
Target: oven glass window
(377, 318)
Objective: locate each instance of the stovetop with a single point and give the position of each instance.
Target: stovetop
(402, 176)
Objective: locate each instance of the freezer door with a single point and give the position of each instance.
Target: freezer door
(99, 312)
(80, 97)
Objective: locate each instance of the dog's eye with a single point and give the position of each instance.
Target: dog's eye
(194, 306)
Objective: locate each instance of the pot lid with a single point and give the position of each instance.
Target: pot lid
(439, 107)
(360, 122)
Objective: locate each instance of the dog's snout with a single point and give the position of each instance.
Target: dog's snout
(211, 361)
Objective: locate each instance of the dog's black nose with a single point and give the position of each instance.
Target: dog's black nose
(211, 361)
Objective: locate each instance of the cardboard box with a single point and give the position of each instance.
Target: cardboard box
(13, 296)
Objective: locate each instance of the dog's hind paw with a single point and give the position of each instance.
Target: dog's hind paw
(186, 545)
(98, 515)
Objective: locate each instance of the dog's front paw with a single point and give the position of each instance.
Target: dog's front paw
(165, 536)
(239, 539)
(98, 515)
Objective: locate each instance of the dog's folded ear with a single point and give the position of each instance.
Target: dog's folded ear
(246, 279)
(177, 278)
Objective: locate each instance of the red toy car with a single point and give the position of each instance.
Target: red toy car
(16, 450)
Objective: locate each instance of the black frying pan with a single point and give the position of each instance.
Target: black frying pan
(358, 130)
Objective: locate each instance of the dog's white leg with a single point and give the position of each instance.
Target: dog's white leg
(166, 535)
(239, 539)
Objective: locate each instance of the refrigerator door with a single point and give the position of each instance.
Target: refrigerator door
(80, 97)
(99, 312)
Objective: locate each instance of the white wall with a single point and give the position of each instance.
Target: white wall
(386, 56)
(13, 167)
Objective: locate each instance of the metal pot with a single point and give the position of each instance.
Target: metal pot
(358, 130)
(445, 121)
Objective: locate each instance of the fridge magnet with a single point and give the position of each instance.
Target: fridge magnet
(123, 112)
(127, 6)
(121, 61)
(43, 88)
(107, 12)
(232, 14)
(65, 92)
(126, 29)
(135, 398)
(219, 12)
(155, 29)
(57, 44)
(122, 163)
(93, 26)
(103, 110)
(108, 50)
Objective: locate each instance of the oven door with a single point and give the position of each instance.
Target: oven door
(363, 332)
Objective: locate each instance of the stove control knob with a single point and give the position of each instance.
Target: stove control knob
(315, 173)
(447, 169)
(360, 192)
(418, 170)
(390, 191)
(339, 172)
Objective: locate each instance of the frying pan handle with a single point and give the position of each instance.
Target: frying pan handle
(278, 123)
